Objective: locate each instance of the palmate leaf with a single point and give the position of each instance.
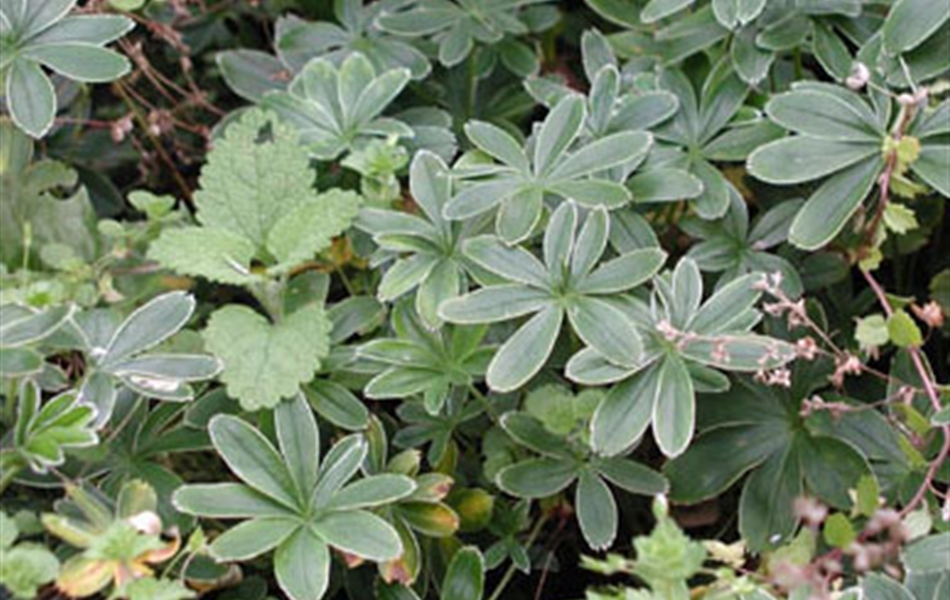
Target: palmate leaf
(119, 354)
(839, 136)
(43, 431)
(729, 246)
(299, 41)
(565, 286)
(39, 34)
(699, 133)
(425, 245)
(335, 108)
(659, 387)
(783, 457)
(518, 186)
(420, 361)
(565, 461)
(297, 506)
(456, 26)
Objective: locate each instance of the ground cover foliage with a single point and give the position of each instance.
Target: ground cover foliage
(475, 299)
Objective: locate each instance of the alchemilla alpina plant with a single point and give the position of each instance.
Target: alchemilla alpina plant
(474, 299)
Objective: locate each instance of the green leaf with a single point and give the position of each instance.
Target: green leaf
(829, 208)
(302, 565)
(247, 185)
(559, 236)
(80, 61)
(838, 531)
(607, 330)
(899, 218)
(337, 404)
(264, 362)
(336, 108)
(659, 9)
(30, 98)
(519, 215)
(731, 450)
(751, 61)
(559, 129)
(148, 588)
(823, 115)
(480, 197)
(910, 22)
(252, 458)
(149, 325)
(596, 511)
(299, 441)
(687, 291)
(465, 578)
(558, 410)
(372, 491)
(20, 326)
(631, 476)
(718, 314)
(311, 226)
(214, 254)
(514, 263)
(226, 501)
(8, 530)
(525, 352)
(590, 244)
(542, 433)
(871, 332)
(624, 272)
(674, 408)
(26, 568)
(537, 478)
(493, 304)
(932, 166)
(252, 538)
(713, 202)
(867, 498)
(765, 506)
(927, 555)
(667, 557)
(830, 50)
(404, 275)
(941, 418)
(664, 185)
(903, 331)
(882, 587)
(43, 433)
(361, 533)
(731, 13)
(624, 414)
(250, 73)
(497, 143)
(340, 465)
(628, 147)
(803, 158)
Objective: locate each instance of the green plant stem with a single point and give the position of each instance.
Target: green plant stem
(512, 569)
(346, 281)
(8, 471)
(485, 402)
(472, 87)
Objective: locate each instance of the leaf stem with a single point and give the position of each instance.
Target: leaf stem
(512, 568)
